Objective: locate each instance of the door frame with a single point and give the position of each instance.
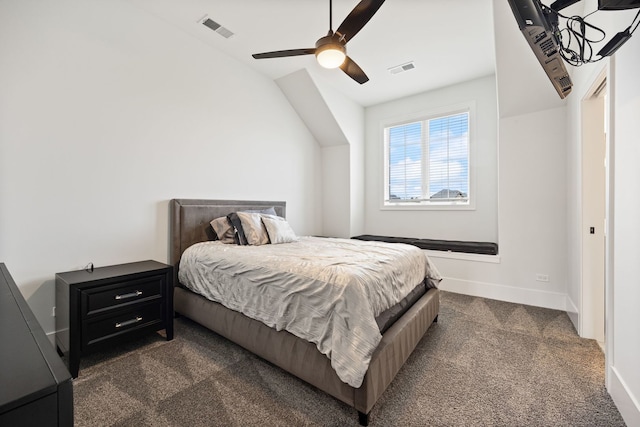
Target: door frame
(605, 73)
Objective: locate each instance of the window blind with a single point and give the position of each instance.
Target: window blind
(428, 160)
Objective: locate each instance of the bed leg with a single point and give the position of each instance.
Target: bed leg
(363, 418)
(435, 320)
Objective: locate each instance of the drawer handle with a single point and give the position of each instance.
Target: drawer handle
(131, 295)
(128, 322)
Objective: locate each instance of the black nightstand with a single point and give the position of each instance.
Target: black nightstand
(100, 307)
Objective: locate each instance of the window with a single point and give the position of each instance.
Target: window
(427, 162)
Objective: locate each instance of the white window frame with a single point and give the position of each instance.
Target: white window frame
(470, 204)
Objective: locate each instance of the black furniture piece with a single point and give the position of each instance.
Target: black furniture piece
(100, 307)
(35, 386)
(485, 248)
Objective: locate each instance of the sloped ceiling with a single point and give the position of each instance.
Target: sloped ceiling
(305, 97)
(449, 41)
(523, 86)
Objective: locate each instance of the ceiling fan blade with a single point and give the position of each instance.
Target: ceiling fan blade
(359, 16)
(284, 53)
(354, 71)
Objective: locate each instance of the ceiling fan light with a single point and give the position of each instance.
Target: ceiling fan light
(331, 56)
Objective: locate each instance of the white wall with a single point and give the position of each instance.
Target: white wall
(533, 201)
(350, 118)
(336, 195)
(625, 375)
(528, 220)
(102, 123)
(532, 238)
(480, 224)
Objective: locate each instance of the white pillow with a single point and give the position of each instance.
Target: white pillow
(254, 230)
(278, 229)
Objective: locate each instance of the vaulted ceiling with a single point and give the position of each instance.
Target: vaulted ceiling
(449, 41)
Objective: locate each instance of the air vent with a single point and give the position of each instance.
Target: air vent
(402, 68)
(210, 23)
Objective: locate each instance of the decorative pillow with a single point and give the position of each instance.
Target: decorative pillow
(254, 231)
(267, 211)
(278, 229)
(234, 219)
(223, 229)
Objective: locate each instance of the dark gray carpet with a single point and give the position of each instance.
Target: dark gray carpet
(485, 363)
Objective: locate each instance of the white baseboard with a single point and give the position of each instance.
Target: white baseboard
(625, 401)
(572, 311)
(553, 300)
(52, 337)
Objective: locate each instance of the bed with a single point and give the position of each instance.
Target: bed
(190, 224)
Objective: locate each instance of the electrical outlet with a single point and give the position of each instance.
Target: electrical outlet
(542, 277)
(53, 312)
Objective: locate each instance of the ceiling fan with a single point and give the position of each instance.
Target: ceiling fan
(331, 50)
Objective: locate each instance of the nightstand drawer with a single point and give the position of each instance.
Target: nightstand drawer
(117, 295)
(106, 327)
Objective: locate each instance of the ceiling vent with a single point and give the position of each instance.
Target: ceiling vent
(402, 68)
(210, 23)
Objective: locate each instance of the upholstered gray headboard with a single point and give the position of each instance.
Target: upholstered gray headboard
(190, 218)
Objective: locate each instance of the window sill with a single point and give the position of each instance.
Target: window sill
(429, 207)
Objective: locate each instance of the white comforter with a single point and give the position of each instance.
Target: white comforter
(326, 291)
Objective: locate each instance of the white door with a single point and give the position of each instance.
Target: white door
(594, 169)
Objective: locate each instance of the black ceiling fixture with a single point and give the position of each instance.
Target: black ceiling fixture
(331, 50)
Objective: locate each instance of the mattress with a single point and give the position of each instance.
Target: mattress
(388, 317)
